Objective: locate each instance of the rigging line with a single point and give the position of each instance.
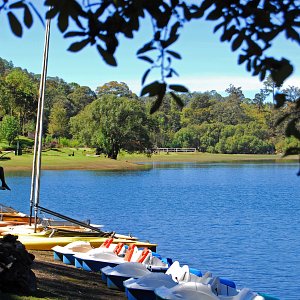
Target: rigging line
(61, 216)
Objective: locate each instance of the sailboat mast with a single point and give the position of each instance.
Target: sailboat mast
(36, 168)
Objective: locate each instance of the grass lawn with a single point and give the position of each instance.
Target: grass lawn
(84, 159)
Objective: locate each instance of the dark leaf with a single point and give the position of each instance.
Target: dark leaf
(152, 89)
(206, 4)
(15, 25)
(254, 48)
(178, 88)
(186, 12)
(197, 14)
(293, 34)
(146, 58)
(145, 76)
(282, 73)
(177, 99)
(63, 22)
(256, 68)
(174, 29)
(157, 103)
(228, 33)
(242, 58)
(262, 74)
(157, 36)
(19, 4)
(108, 57)
(280, 100)
(172, 39)
(75, 47)
(248, 66)
(218, 27)
(50, 14)
(145, 48)
(174, 54)
(155, 89)
(238, 41)
(27, 17)
(74, 33)
(215, 14)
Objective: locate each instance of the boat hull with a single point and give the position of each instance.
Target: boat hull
(47, 243)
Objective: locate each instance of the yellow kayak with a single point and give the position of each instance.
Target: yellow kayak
(47, 243)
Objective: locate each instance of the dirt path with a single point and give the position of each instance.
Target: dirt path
(56, 280)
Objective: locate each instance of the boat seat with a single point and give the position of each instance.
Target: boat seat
(178, 273)
(215, 285)
(107, 243)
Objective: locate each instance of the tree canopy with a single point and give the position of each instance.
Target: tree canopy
(115, 119)
(249, 26)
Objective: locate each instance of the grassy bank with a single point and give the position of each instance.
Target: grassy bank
(204, 157)
(83, 159)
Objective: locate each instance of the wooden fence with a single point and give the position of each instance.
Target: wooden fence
(174, 150)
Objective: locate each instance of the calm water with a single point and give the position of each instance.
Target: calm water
(240, 221)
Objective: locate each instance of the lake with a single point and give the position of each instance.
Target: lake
(239, 221)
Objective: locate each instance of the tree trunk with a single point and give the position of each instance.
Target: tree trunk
(113, 154)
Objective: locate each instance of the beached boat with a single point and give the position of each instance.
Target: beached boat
(145, 287)
(66, 253)
(95, 261)
(213, 290)
(47, 243)
(115, 276)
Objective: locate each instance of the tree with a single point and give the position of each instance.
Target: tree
(270, 87)
(80, 97)
(9, 128)
(259, 98)
(235, 93)
(187, 137)
(112, 123)
(58, 121)
(23, 98)
(292, 93)
(119, 89)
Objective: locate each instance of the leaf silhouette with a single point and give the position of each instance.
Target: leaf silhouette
(15, 25)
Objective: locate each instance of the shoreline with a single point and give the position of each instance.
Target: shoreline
(131, 162)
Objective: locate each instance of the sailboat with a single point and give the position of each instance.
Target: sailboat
(41, 233)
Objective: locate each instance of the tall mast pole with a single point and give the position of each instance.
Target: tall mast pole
(36, 167)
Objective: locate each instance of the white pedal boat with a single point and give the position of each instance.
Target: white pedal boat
(143, 287)
(66, 253)
(96, 261)
(201, 291)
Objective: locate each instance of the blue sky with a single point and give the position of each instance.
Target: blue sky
(207, 64)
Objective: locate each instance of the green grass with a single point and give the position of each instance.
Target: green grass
(62, 158)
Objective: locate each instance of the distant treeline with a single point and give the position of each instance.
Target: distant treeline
(112, 118)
